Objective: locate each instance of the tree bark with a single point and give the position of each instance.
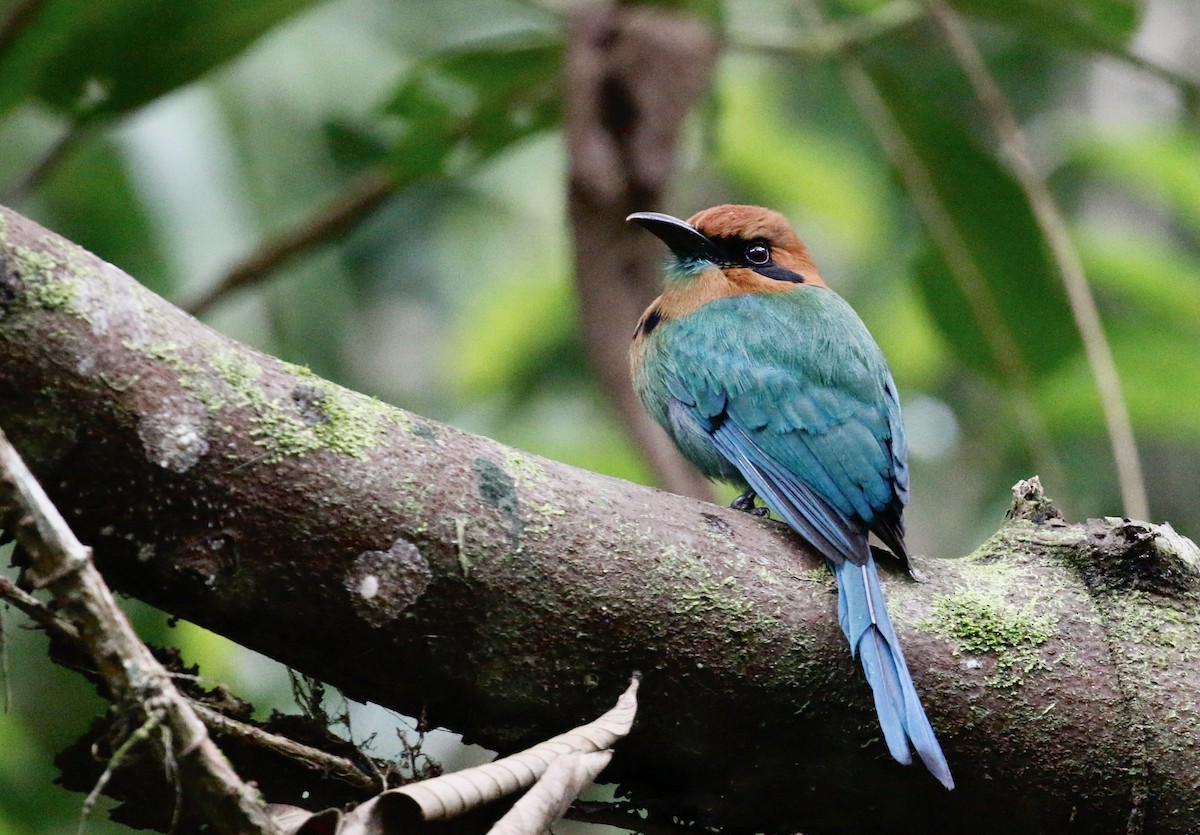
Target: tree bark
(510, 597)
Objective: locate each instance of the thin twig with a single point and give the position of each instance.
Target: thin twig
(1187, 86)
(944, 232)
(17, 21)
(38, 611)
(28, 181)
(141, 734)
(832, 40)
(174, 777)
(339, 768)
(337, 218)
(1015, 148)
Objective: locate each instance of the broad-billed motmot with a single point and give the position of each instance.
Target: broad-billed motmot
(766, 378)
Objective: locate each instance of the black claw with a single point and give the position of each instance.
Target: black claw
(745, 503)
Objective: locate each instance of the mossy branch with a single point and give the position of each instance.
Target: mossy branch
(508, 596)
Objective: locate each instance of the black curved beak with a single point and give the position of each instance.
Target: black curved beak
(685, 240)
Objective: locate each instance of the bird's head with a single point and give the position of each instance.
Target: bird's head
(754, 248)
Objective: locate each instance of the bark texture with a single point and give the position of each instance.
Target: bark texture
(510, 597)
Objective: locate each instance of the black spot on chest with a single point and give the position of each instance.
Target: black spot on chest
(649, 322)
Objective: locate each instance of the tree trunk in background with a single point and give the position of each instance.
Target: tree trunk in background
(509, 597)
(632, 75)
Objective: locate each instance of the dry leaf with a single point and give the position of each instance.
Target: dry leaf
(452, 794)
(549, 798)
(292, 820)
(561, 767)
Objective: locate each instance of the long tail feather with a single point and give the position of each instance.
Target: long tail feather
(863, 616)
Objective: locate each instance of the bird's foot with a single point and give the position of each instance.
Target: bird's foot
(745, 503)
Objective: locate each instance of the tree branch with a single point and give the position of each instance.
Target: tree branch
(362, 197)
(508, 596)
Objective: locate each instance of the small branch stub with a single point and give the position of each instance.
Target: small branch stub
(1031, 503)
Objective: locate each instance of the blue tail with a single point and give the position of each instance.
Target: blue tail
(863, 616)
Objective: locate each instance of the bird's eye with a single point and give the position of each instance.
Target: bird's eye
(758, 253)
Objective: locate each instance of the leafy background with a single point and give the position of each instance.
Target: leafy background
(176, 140)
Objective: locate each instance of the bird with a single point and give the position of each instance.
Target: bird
(766, 378)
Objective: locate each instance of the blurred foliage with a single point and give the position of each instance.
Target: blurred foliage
(174, 139)
(1102, 25)
(473, 103)
(1015, 279)
(89, 59)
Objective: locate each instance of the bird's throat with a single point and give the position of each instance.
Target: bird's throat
(688, 290)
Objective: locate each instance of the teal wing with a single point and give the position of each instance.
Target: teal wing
(792, 390)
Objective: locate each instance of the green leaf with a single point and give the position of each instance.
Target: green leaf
(1147, 278)
(1002, 308)
(24, 60)
(1161, 378)
(1163, 167)
(519, 339)
(1101, 25)
(468, 105)
(115, 56)
(353, 146)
